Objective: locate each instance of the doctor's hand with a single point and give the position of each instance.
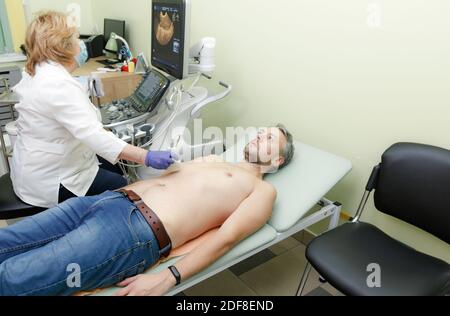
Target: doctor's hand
(147, 285)
(160, 160)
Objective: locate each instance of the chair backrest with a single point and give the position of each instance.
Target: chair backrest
(413, 185)
(11, 207)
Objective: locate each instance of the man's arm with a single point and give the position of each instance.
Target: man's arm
(250, 216)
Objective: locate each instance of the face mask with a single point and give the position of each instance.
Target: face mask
(83, 56)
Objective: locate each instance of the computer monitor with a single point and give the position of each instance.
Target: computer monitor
(116, 26)
(170, 36)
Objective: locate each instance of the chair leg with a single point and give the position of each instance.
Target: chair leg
(334, 219)
(304, 279)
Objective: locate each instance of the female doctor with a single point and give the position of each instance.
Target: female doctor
(60, 132)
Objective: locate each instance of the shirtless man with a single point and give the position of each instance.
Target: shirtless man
(93, 242)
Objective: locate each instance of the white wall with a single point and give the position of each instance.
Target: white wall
(137, 14)
(87, 22)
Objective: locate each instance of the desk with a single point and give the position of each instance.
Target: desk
(117, 85)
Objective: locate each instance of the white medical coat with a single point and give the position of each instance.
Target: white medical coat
(59, 134)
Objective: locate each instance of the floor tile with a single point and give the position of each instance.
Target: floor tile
(319, 292)
(225, 283)
(281, 275)
(308, 237)
(252, 262)
(299, 236)
(277, 277)
(330, 289)
(285, 245)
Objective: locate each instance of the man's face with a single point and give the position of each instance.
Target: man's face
(267, 148)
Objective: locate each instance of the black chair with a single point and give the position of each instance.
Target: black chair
(11, 207)
(412, 183)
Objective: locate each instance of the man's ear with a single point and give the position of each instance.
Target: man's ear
(279, 161)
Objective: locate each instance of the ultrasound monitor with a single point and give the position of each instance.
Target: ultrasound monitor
(170, 36)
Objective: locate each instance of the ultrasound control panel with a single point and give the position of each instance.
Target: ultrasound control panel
(142, 102)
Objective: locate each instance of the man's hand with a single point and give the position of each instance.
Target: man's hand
(147, 285)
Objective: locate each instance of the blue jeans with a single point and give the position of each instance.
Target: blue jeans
(82, 244)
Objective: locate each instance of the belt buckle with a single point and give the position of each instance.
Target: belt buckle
(124, 193)
(165, 252)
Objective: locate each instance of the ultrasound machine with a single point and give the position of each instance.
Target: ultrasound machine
(167, 100)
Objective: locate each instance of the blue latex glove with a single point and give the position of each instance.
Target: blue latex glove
(160, 160)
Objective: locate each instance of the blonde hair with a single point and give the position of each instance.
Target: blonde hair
(50, 37)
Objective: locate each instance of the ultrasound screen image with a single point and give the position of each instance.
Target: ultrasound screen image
(168, 38)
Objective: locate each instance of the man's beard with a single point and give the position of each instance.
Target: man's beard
(255, 160)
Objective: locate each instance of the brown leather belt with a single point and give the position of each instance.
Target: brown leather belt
(164, 242)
